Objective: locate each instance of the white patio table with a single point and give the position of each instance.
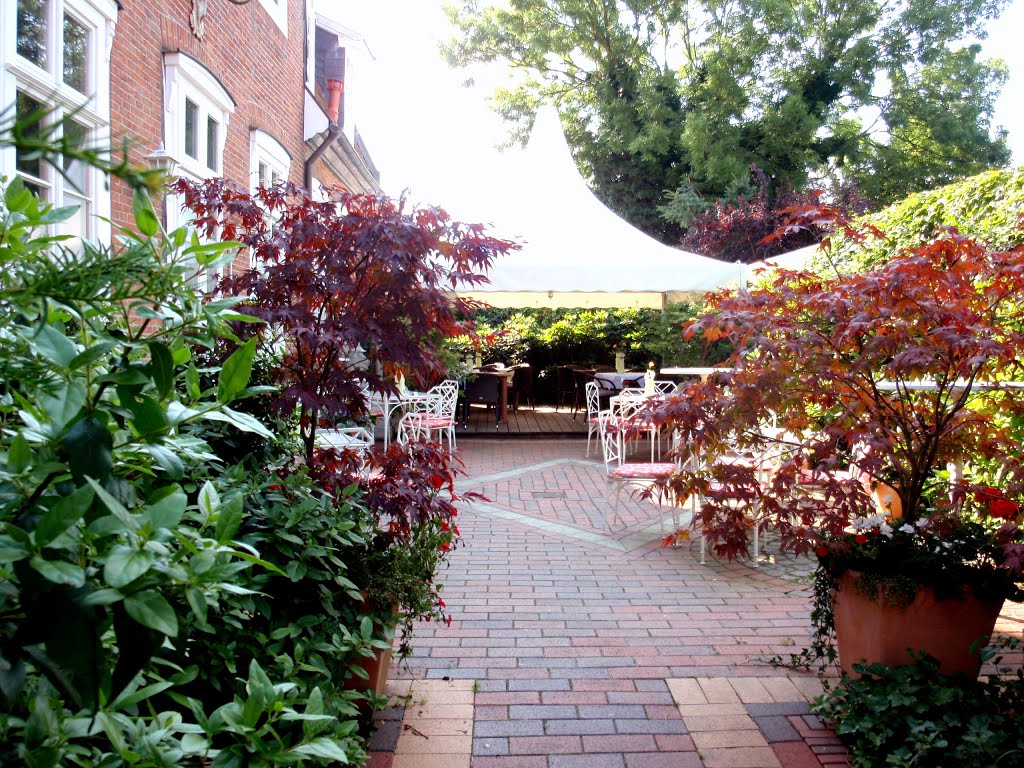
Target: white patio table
(618, 380)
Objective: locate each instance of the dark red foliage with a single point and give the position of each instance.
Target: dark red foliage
(857, 383)
(355, 271)
(749, 229)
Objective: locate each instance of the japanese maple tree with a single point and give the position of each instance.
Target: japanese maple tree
(859, 382)
(353, 272)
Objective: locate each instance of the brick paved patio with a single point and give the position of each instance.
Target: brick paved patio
(585, 646)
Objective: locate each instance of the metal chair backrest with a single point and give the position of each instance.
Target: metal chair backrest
(663, 386)
(448, 391)
(611, 440)
(413, 427)
(593, 399)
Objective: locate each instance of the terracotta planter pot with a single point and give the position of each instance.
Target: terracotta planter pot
(377, 670)
(946, 629)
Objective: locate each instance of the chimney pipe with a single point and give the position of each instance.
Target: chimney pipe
(334, 74)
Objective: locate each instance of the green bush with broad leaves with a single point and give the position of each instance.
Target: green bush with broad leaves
(913, 717)
(127, 553)
(987, 206)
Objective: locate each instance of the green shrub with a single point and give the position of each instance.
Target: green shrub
(121, 538)
(986, 206)
(913, 717)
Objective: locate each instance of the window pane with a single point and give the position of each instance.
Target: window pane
(191, 129)
(212, 132)
(76, 50)
(32, 16)
(75, 170)
(27, 161)
(78, 224)
(261, 175)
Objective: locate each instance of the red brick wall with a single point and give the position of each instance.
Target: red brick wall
(262, 69)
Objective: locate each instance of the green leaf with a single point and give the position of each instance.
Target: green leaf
(92, 354)
(59, 572)
(128, 520)
(63, 406)
(323, 747)
(102, 597)
(234, 376)
(145, 216)
(19, 455)
(148, 416)
(125, 564)
(197, 602)
(90, 447)
(192, 382)
(209, 500)
(64, 514)
(167, 460)
(127, 699)
(152, 610)
(161, 367)
(242, 421)
(11, 550)
(55, 346)
(230, 518)
(168, 508)
(207, 253)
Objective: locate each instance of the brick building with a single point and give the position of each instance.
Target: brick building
(241, 90)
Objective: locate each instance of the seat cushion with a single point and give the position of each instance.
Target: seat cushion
(638, 471)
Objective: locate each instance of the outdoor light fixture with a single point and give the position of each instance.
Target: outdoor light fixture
(161, 159)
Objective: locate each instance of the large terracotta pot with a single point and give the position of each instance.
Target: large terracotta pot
(867, 629)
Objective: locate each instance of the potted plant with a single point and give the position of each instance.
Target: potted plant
(880, 431)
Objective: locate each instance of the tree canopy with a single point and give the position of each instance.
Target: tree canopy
(658, 96)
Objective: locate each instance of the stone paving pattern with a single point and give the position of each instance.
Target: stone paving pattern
(597, 648)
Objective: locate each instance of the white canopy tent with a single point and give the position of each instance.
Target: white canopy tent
(576, 252)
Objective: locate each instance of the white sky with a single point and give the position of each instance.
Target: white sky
(428, 134)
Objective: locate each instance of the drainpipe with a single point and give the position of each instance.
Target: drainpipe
(330, 136)
(334, 73)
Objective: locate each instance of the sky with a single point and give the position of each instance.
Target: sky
(437, 139)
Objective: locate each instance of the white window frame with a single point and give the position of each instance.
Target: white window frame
(265, 149)
(46, 85)
(187, 79)
(278, 10)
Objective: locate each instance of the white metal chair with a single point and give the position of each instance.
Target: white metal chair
(412, 427)
(621, 473)
(664, 387)
(440, 405)
(596, 393)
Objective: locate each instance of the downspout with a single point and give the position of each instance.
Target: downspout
(330, 136)
(334, 74)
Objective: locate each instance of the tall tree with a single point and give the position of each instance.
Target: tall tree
(658, 95)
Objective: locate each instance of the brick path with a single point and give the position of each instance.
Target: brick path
(589, 647)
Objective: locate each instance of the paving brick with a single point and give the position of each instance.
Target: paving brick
(782, 689)
(708, 710)
(545, 745)
(687, 691)
(385, 736)
(777, 728)
(718, 690)
(664, 760)
(541, 711)
(512, 761)
(751, 691)
(650, 726)
(720, 739)
(795, 755)
(579, 727)
(510, 727)
(436, 760)
(611, 710)
(587, 761)
(413, 741)
(620, 743)
(380, 760)
(720, 723)
(490, 746)
(778, 708)
(740, 757)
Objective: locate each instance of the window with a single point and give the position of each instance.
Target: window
(54, 70)
(269, 161)
(197, 110)
(278, 10)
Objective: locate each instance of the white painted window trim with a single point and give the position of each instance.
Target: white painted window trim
(185, 78)
(92, 109)
(278, 10)
(264, 148)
